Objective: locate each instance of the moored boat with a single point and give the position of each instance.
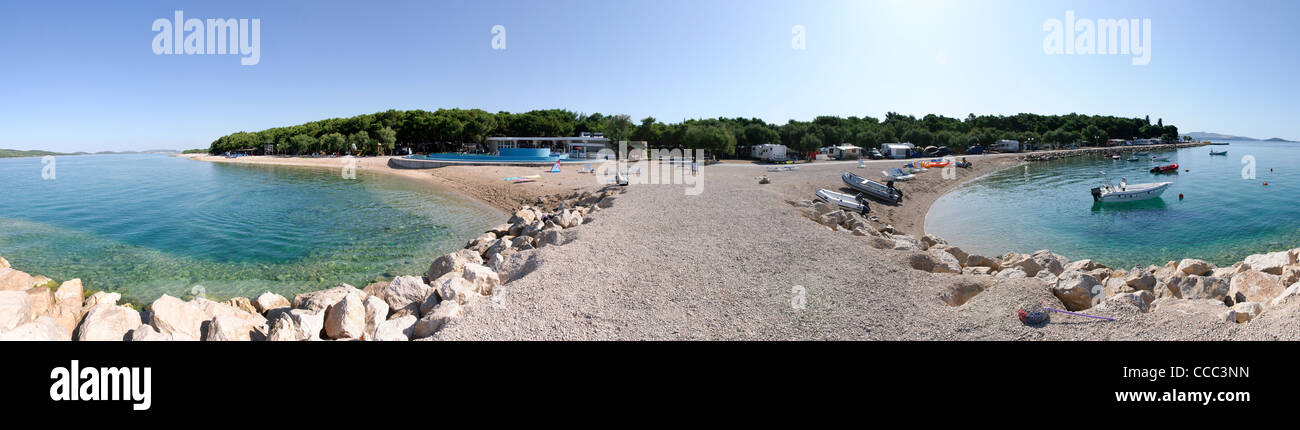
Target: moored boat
(885, 192)
(1125, 192)
(1223, 152)
(1172, 168)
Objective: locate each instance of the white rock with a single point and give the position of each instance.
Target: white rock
(15, 280)
(397, 329)
(450, 287)
(178, 319)
(1246, 311)
(1076, 290)
(67, 305)
(43, 328)
(229, 328)
(376, 314)
(1191, 266)
(15, 310)
(406, 292)
(1050, 261)
(146, 333)
(320, 300)
(298, 325)
(452, 262)
(436, 320)
(1292, 291)
(481, 278)
(1271, 263)
(1257, 286)
(107, 322)
(347, 318)
(268, 301)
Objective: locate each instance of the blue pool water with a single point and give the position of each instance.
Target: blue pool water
(1047, 205)
(145, 225)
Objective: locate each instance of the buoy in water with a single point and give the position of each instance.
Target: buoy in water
(1266, 184)
(1180, 196)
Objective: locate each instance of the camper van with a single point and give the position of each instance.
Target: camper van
(769, 152)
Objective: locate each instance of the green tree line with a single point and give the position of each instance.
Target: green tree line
(447, 129)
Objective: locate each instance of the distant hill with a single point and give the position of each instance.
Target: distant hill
(8, 153)
(1216, 137)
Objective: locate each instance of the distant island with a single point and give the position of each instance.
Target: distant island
(1205, 135)
(12, 153)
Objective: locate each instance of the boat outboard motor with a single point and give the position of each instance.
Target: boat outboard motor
(1096, 194)
(862, 200)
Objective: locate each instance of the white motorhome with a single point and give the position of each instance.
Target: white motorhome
(769, 152)
(897, 150)
(1008, 145)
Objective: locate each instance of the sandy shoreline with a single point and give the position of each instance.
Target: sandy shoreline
(482, 183)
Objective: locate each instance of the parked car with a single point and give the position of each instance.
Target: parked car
(875, 154)
(975, 150)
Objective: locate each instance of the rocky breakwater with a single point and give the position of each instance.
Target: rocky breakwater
(405, 308)
(1196, 289)
(1056, 155)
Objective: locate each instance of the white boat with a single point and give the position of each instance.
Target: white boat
(872, 188)
(850, 202)
(896, 174)
(1126, 192)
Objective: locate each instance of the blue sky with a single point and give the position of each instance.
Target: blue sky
(81, 76)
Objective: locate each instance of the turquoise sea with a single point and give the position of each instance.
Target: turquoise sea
(1221, 218)
(144, 225)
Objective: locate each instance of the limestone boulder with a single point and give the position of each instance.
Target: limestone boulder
(396, 329)
(347, 318)
(481, 278)
(1140, 279)
(243, 304)
(67, 305)
(41, 301)
(1198, 287)
(42, 328)
(15, 310)
(1188, 308)
(443, 314)
(15, 280)
(1289, 294)
(317, 301)
(146, 333)
(452, 262)
(1024, 262)
(376, 314)
(230, 328)
(298, 325)
(1191, 266)
(974, 260)
(267, 301)
(107, 322)
(1256, 286)
(1246, 311)
(1012, 273)
(1138, 301)
(1076, 290)
(177, 318)
(958, 292)
(1050, 261)
(1084, 265)
(1271, 263)
(407, 292)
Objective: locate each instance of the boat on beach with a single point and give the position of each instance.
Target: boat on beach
(854, 203)
(1125, 192)
(896, 174)
(885, 192)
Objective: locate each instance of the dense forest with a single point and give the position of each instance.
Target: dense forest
(450, 129)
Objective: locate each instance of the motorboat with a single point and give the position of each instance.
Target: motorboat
(850, 202)
(885, 192)
(1224, 152)
(1125, 192)
(896, 174)
(1172, 168)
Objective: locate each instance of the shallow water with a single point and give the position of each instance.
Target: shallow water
(1222, 218)
(145, 225)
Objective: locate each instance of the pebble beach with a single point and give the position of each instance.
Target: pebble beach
(744, 260)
